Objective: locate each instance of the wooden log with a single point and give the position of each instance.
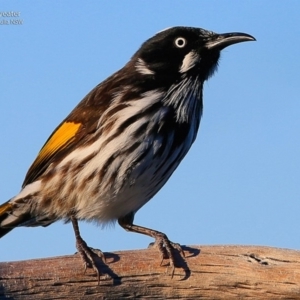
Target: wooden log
(207, 272)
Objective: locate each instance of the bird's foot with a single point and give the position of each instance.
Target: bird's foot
(88, 256)
(167, 249)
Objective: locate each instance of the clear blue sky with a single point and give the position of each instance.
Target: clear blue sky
(239, 184)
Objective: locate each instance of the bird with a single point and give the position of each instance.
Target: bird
(120, 145)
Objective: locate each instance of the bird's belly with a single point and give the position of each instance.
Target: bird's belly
(127, 191)
(120, 200)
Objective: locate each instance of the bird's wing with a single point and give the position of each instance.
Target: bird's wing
(73, 132)
(60, 140)
(77, 128)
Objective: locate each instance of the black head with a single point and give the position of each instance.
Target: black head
(182, 51)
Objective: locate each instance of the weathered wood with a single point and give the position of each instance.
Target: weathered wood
(208, 272)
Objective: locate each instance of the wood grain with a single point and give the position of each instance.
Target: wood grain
(208, 272)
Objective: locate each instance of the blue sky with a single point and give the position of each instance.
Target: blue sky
(239, 184)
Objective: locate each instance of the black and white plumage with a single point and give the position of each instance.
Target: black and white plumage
(124, 140)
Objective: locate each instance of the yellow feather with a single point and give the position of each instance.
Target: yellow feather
(60, 138)
(5, 207)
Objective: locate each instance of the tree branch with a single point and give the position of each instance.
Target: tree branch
(208, 272)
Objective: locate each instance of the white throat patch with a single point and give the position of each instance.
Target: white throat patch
(189, 61)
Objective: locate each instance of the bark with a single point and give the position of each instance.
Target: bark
(207, 272)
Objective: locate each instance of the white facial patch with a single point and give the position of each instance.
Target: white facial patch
(189, 61)
(142, 68)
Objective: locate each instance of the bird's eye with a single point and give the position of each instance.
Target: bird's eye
(180, 42)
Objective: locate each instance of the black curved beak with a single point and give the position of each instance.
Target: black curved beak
(221, 41)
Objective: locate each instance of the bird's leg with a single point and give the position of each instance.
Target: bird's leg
(164, 245)
(86, 252)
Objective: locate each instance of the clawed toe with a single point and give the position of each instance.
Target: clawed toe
(167, 250)
(99, 253)
(87, 254)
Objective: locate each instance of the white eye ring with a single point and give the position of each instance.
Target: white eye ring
(180, 42)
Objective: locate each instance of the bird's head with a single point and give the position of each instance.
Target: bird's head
(182, 51)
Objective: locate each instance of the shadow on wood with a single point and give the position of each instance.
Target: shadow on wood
(208, 272)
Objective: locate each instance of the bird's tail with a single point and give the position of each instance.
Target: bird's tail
(5, 210)
(17, 212)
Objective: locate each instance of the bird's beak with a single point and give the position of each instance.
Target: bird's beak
(221, 41)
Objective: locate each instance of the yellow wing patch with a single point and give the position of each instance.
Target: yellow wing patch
(59, 140)
(5, 207)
